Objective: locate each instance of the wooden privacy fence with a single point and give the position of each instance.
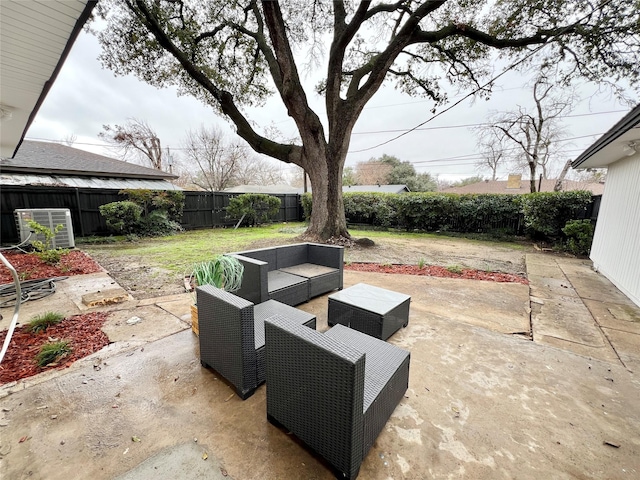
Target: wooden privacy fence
(201, 209)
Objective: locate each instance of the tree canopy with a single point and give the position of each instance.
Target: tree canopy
(234, 54)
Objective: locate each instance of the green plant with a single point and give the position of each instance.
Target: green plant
(457, 269)
(306, 200)
(51, 257)
(46, 232)
(223, 271)
(122, 217)
(52, 352)
(254, 208)
(157, 224)
(545, 214)
(579, 235)
(421, 263)
(43, 249)
(41, 322)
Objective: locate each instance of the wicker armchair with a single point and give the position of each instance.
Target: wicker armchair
(232, 340)
(334, 391)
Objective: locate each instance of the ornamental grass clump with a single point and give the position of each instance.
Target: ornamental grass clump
(40, 323)
(223, 272)
(52, 352)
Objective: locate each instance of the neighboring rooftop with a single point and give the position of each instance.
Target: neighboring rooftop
(376, 188)
(44, 163)
(281, 189)
(267, 189)
(520, 187)
(52, 158)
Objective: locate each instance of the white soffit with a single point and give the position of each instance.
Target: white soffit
(35, 37)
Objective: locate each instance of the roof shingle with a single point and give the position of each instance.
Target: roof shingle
(53, 158)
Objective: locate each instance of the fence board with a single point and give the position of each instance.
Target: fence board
(201, 209)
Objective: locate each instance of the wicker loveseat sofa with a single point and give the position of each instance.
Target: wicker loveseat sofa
(334, 391)
(291, 274)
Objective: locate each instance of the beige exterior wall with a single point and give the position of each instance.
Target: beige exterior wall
(616, 245)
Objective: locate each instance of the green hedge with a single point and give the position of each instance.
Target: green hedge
(545, 214)
(145, 212)
(254, 208)
(538, 214)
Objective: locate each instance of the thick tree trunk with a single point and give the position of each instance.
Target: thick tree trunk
(327, 214)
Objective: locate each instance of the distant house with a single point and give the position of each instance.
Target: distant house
(376, 188)
(516, 186)
(49, 175)
(266, 189)
(55, 165)
(616, 246)
(284, 189)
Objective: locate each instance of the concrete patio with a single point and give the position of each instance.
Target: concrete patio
(484, 400)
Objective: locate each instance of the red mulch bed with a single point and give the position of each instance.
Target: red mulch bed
(82, 331)
(435, 271)
(30, 267)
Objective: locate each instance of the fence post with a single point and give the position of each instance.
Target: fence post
(79, 207)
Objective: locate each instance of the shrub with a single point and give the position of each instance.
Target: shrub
(306, 200)
(122, 217)
(426, 211)
(579, 235)
(372, 208)
(52, 352)
(145, 212)
(545, 214)
(256, 208)
(170, 201)
(44, 252)
(157, 224)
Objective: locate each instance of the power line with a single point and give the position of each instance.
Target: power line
(473, 92)
(467, 125)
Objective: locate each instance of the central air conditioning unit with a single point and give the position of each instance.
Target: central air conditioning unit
(50, 218)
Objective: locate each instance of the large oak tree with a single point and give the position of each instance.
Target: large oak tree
(233, 54)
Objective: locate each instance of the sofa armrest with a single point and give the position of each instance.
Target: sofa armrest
(227, 337)
(327, 255)
(316, 390)
(255, 286)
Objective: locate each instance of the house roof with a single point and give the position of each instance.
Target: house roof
(500, 186)
(267, 189)
(44, 158)
(35, 39)
(288, 189)
(376, 188)
(614, 144)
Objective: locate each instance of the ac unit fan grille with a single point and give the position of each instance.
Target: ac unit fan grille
(50, 218)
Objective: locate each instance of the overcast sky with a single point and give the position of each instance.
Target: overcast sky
(85, 96)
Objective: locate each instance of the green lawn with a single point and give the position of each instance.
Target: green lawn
(181, 251)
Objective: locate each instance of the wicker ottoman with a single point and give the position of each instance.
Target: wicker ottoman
(372, 310)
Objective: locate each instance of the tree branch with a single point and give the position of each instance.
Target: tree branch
(285, 153)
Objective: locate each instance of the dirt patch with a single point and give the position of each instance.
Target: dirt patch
(82, 331)
(140, 280)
